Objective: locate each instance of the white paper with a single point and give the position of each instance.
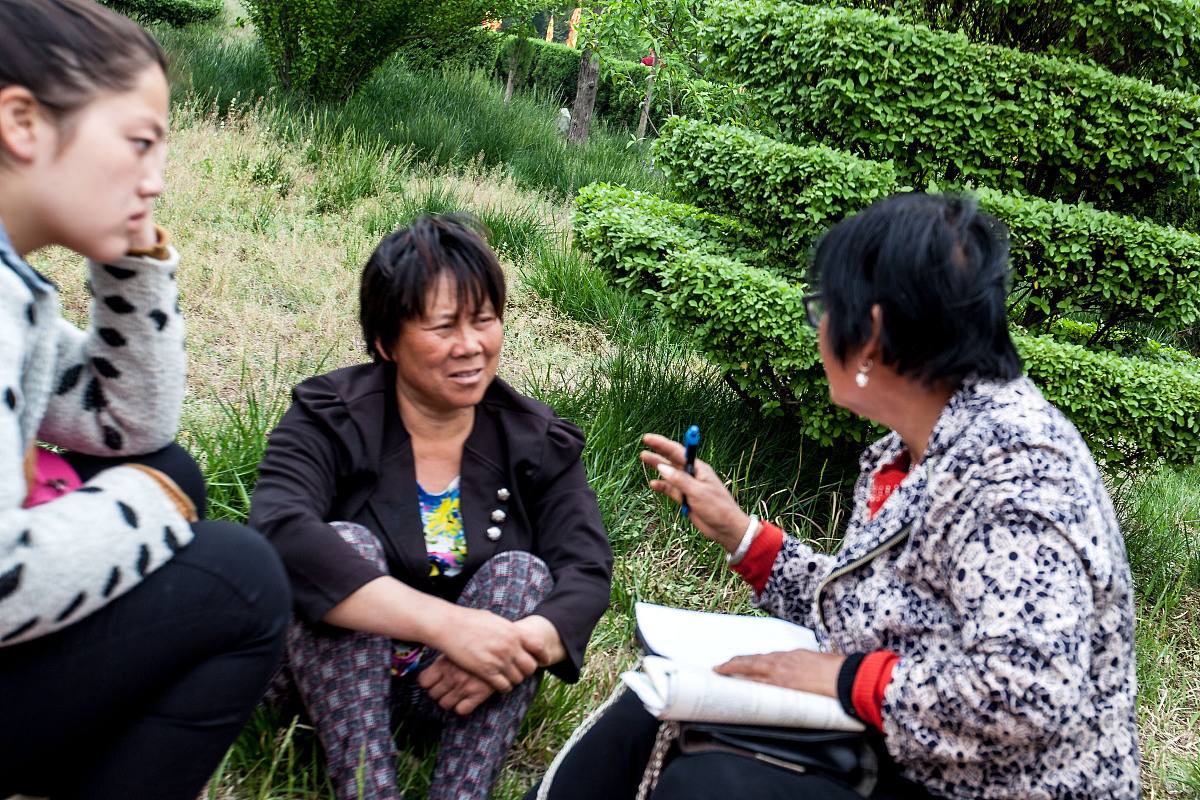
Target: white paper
(670, 690)
(703, 639)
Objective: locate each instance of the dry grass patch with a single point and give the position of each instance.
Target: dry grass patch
(269, 279)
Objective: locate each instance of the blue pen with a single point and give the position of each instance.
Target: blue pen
(691, 443)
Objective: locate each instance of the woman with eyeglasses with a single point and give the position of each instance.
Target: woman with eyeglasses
(979, 615)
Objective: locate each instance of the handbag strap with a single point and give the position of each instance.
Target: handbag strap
(668, 732)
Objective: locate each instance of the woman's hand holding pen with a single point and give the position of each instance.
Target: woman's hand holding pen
(712, 508)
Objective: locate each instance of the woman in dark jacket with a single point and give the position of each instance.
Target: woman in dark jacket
(437, 526)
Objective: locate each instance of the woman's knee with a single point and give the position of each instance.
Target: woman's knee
(511, 583)
(364, 542)
(245, 562)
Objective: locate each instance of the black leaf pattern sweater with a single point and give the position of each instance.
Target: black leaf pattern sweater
(115, 389)
(998, 574)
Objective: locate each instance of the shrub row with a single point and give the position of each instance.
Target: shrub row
(747, 320)
(1069, 259)
(944, 108)
(1155, 40)
(1066, 259)
(792, 193)
(176, 13)
(750, 322)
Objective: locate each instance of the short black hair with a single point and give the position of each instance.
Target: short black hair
(407, 264)
(938, 268)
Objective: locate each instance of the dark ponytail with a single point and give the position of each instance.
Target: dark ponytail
(66, 52)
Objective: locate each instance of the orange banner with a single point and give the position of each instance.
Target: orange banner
(550, 29)
(574, 26)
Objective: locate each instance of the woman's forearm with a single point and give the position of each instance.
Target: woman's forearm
(482, 643)
(388, 607)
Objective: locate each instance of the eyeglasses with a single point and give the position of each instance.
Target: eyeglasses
(814, 308)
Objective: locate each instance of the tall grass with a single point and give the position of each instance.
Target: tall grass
(435, 143)
(440, 119)
(1160, 514)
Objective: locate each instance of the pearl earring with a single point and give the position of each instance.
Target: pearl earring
(861, 378)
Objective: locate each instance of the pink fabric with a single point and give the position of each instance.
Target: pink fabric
(53, 477)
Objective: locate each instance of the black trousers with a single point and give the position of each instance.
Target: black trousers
(607, 764)
(142, 698)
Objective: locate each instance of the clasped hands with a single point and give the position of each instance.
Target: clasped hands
(717, 515)
(482, 652)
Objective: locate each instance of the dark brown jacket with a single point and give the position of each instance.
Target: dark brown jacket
(342, 453)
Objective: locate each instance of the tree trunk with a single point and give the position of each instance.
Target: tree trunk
(585, 98)
(641, 128)
(512, 79)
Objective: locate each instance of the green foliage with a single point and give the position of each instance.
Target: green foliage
(326, 48)
(176, 13)
(518, 48)
(474, 49)
(1128, 409)
(751, 323)
(1155, 40)
(691, 267)
(945, 109)
(230, 449)
(1067, 259)
(440, 119)
(1122, 342)
(792, 193)
(554, 70)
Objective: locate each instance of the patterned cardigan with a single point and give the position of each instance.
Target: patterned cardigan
(998, 573)
(115, 389)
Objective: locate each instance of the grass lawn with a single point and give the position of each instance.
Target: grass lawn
(275, 207)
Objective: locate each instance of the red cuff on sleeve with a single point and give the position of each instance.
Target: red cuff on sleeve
(755, 566)
(874, 675)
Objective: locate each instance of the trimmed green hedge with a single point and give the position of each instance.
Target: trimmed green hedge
(176, 13)
(750, 322)
(745, 318)
(1127, 409)
(1069, 259)
(944, 108)
(1066, 259)
(1155, 40)
(792, 193)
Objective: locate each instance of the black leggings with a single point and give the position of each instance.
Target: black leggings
(142, 698)
(607, 764)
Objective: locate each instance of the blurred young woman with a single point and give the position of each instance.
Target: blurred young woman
(135, 638)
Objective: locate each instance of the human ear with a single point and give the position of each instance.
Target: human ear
(873, 347)
(21, 122)
(381, 350)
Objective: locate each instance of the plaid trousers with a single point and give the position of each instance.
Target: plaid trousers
(345, 683)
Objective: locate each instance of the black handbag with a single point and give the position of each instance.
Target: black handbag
(844, 755)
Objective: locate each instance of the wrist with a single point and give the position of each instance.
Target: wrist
(158, 250)
(735, 556)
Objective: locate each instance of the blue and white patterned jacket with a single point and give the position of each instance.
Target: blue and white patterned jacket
(114, 389)
(998, 573)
